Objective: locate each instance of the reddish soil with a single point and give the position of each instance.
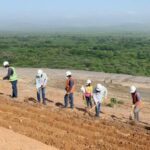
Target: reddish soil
(73, 129)
(10, 140)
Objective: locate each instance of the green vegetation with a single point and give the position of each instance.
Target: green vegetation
(114, 101)
(115, 53)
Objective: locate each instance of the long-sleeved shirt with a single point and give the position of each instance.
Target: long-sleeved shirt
(99, 96)
(104, 92)
(10, 72)
(41, 81)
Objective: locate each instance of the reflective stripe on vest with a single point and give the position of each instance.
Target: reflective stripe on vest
(13, 77)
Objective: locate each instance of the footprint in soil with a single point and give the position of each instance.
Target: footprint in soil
(60, 105)
(30, 99)
(114, 117)
(147, 127)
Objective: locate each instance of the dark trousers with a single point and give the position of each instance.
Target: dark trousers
(14, 89)
(69, 97)
(97, 109)
(39, 92)
(89, 101)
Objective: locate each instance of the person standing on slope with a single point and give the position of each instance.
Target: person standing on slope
(136, 102)
(99, 95)
(88, 93)
(41, 82)
(12, 77)
(69, 88)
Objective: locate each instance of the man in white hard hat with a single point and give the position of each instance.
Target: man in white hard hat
(70, 88)
(99, 95)
(12, 77)
(136, 102)
(41, 82)
(88, 93)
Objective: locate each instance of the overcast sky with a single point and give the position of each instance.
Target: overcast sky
(44, 13)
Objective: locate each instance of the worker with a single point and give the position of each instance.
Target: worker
(88, 93)
(41, 82)
(69, 88)
(99, 95)
(136, 102)
(12, 77)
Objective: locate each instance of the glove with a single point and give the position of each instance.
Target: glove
(133, 106)
(67, 93)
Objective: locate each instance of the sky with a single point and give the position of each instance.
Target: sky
(72, 13)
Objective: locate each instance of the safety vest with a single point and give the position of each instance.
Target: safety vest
(68, 88)
(136, 98)
(88, 91)
(13, 77)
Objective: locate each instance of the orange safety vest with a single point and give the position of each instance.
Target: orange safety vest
(68, 88)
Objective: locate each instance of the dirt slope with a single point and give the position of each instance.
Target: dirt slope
(10, 140)
(73, 130)
(67, 129)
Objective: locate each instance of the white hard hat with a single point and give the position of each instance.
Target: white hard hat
(88, 81)
(40, 72)
(68, 73)
(132, 89)
(5, 63)
(99, 87)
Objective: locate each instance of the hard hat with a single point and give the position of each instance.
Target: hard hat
(68, 73)
(132, 89)
(40, 72)
(99, 87)
(88, 81)
(5, 63)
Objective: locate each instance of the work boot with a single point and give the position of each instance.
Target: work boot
(44, 103)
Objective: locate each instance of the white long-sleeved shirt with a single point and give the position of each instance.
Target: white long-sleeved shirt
(41, 80)
(99, 96)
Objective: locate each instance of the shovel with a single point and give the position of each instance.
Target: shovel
(131, 113)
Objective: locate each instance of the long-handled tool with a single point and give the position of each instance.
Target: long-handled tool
(83, 94)
(90, 110)
(131, 113)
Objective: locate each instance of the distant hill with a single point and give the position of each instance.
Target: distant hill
(75, 28)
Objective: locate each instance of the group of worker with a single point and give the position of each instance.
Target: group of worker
(99, 94)
(92, 97)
